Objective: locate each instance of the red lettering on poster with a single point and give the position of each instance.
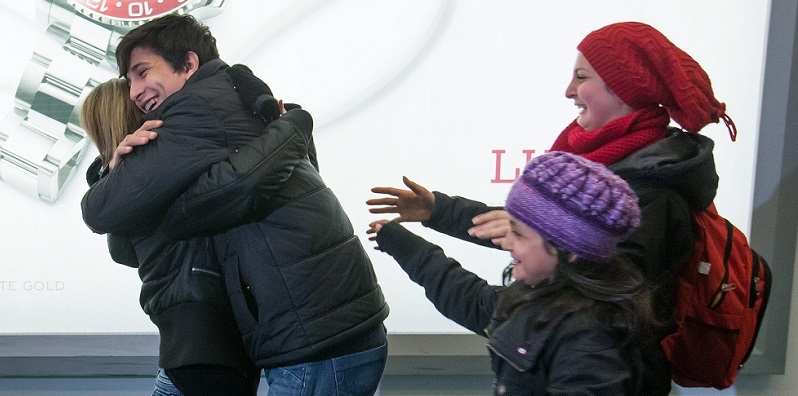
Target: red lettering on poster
(497, 177)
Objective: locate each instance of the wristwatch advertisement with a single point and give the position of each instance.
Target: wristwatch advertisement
(41, 141)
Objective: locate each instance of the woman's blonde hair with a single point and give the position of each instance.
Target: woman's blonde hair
(108, 115)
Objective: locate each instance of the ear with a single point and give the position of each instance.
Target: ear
(192, 63)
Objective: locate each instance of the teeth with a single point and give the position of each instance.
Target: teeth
(149, 105)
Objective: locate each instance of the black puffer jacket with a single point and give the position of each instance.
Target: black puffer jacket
(671, 177)
(183, 290)
(301, 285)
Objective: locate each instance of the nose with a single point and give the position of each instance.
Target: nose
(570, 90)
(506, 244)
(136, 90)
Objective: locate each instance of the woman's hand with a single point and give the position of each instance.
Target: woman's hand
(411, 205)
(140, 137)
(493, 225)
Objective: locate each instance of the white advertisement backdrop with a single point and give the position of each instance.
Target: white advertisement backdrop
(453, 94)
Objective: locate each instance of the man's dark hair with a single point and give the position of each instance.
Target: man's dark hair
(171, 37)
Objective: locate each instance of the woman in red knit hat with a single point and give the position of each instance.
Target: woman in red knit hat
(628, 82)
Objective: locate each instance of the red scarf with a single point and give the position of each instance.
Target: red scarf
(617, 138)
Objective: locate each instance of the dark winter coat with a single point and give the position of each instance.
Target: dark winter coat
(302, 286)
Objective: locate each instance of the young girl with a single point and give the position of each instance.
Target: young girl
(573, 320)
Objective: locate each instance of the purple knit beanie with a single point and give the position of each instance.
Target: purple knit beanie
(575, 203)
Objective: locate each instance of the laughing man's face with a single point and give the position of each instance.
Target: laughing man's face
(152, 79)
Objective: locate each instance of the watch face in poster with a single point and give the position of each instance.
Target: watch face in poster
(455, 95)
(118, 12)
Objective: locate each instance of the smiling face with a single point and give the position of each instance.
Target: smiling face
(597, 103)
(152, 79)
(534, 259)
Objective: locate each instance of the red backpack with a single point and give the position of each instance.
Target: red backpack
(721, 296)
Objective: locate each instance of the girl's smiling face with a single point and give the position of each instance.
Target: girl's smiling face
(534, 259)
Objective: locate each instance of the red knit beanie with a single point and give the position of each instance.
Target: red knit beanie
(645, 69)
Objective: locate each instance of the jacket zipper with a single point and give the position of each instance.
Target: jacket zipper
(724, 287)
(204, 271)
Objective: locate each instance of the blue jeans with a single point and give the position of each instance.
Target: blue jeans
(206, 380)
(357, 374)
(164, 386)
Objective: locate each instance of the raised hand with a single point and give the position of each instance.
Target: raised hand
(411, 205)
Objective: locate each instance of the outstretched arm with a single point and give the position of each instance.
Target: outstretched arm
(455, 216)
(457, 293)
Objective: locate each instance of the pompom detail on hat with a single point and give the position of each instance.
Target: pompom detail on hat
(575, 203)
(644, 68)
